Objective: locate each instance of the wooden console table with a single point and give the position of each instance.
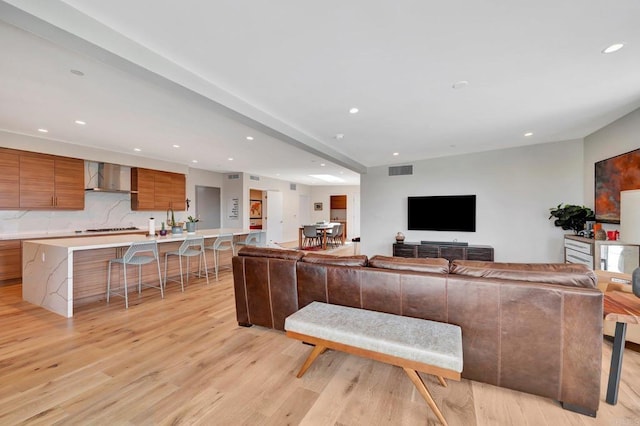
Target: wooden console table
(446, 251)
(623, 308)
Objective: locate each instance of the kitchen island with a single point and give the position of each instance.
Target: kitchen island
(62, 273)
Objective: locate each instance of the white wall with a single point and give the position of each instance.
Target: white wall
(322, 194)
(202, 178)
(290, 202)
(515, 189)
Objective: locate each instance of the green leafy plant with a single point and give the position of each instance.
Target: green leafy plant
(192, 219)
(571, 216)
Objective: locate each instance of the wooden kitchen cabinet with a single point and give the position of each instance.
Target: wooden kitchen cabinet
(9, 179)
(69, 183)
(51, 182)
(157, 190)
(338, 202)
(37, 182)
(10, 260)
(143, 189)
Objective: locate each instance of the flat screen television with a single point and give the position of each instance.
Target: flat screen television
(442, 213)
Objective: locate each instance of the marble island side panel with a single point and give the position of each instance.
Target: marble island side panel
(47, 278)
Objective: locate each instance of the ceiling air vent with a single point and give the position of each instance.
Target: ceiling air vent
(293, 186)
(233, 176)
(254, 177)
(400, 170)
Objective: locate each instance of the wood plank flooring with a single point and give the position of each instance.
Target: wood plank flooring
(184, 360)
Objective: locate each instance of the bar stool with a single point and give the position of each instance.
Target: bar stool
(190, 247)
(224, 242)
(252, 239)
(132, 257)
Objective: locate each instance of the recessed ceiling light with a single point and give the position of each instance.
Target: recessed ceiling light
(339, 136)
(613, 48)
(230, 158)
(137, 149)
(396, 153)
(176, 145)
(43, 130)
(353, 110)
(194, 161)
(528, 134)
(80, 122)
(322, 164)
(249, 138)
(460, 84)
(77, 72)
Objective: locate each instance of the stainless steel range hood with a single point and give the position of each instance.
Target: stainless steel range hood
(107, 177)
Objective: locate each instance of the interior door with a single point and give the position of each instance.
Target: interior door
(274, 217)
(208, 207)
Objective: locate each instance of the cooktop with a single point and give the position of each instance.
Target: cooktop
(131, 228)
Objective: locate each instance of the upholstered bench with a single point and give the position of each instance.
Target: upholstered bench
(411, 343)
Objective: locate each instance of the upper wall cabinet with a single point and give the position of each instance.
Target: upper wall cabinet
(157, 190)
(38, 181)
(9, 179)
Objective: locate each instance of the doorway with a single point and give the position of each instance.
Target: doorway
(208, 207)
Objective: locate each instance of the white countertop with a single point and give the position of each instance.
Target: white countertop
(106, 241)
(65, 234)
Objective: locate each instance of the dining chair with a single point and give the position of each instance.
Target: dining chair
(310, 233)
(335, 236)
(133, 256)
(224, 242)
(192, 246)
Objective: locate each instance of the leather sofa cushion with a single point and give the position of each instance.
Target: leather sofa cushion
(433, 265)
(573, 275)
(327, 259)
(273, 253)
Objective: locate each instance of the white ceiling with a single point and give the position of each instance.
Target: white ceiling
(206, 74)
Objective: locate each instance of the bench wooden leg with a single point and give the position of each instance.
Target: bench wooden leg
(312, 357)
(422, 388)
(441, 380)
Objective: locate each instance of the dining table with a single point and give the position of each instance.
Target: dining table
(323, 228)
(622, 308)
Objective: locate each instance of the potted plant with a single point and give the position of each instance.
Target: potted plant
(571, 216)
(191, 224)
(176, 228)
(163, 230)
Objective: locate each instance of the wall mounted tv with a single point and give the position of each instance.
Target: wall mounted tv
(442, 213)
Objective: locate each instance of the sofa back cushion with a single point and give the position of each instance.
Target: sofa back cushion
(272, 253)
(328, 259)
(574, 275)
(433, 265)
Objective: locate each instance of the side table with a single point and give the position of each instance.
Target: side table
(623, 308)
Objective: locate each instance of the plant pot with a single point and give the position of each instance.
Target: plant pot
(163, 232)
(176, 229)
(191, 227)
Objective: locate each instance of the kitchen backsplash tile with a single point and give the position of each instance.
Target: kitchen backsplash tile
(102, 210)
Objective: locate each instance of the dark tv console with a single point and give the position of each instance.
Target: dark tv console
(445, 243)
(445, 250)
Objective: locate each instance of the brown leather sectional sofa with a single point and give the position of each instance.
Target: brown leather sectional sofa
(535, 328)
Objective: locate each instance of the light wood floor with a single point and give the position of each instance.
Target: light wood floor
(184, 360)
